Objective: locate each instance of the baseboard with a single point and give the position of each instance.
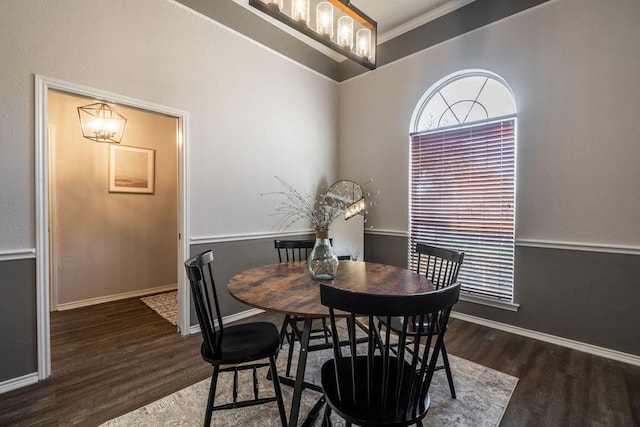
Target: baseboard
(194, 329)
(540, 336)
(241, 315)
(15, 383)
(116, 297)
(619, 356)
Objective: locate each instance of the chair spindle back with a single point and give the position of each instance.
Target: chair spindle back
(391, 386)
(205, 298)
(294, 250)
(439, 265)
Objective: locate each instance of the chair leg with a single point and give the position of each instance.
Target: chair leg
(291, 339)
(447, 369)
(326, 418)
(283, 335)
(212, 395)
(290, 356)
(325, 330)
(283, 330)
(278, 391)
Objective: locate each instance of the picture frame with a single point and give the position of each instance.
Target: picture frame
(131, 169)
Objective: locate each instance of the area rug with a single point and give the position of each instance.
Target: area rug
(482, 397)
(165, 304)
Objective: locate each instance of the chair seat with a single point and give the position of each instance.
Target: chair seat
(373, 412)
(245, 343)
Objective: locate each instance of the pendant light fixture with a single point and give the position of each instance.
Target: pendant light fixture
(334, 23)
(100, 122)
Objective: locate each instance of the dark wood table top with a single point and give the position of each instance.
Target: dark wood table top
(287, 287)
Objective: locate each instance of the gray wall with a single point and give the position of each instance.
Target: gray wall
(574, 79)
(570, 62)
(241, 126)
(590, 297)
(17, 318)
(572, 69)
(230, 258)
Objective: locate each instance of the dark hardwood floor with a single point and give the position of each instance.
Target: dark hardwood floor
(112, 358)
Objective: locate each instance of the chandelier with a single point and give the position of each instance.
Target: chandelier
(101, 123)
(334, 23)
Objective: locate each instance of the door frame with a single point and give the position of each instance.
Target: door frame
(43, 255)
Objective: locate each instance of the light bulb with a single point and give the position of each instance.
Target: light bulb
(324, 19)
(300, 10)
(363, 42)
(345, 32)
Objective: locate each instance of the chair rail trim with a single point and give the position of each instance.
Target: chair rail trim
(17, 254)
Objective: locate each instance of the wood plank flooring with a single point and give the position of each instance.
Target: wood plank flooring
(112, 358)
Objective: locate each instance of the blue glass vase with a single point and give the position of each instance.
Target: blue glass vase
(322, 263)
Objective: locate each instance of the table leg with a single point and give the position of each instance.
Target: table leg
(302, 364)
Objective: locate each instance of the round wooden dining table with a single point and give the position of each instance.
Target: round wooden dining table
(287, 288)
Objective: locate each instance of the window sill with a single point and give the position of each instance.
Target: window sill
(510, 306)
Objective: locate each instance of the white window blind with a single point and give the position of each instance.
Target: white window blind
(462, 197)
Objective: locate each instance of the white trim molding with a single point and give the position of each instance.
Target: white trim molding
(580, 246)
(43, 333)
(489, 302)
(16, 383)
(619, 356)
(431, 15)
(42, 85)
(203, 240)
(611, 248)
(194, 329)
(241, 315)
(17, 254)
(116, 297)
(382, 232)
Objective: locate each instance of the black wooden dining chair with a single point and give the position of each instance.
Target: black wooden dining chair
(389, 387)
(226, 347)
(293, 250)
(441, 267)
(297, 251)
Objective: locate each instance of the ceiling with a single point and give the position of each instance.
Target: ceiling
(395, 17)
(404, 27)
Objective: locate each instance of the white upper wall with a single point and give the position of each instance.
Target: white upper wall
(252, 113)
(575, 70)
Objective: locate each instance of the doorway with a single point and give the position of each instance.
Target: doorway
(46, 90)
(110, 242)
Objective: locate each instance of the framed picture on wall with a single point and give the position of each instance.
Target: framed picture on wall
(131, 169)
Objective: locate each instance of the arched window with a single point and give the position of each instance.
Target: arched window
(462, 178)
